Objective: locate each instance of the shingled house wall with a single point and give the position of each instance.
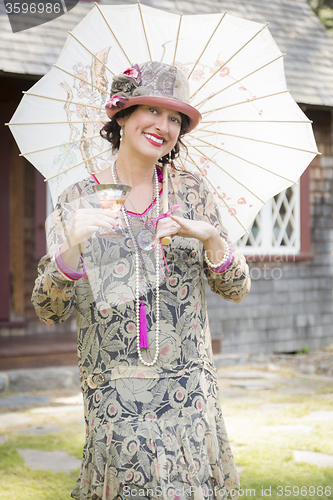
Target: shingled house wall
(290, 303)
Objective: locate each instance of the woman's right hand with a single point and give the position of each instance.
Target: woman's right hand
(86, 221)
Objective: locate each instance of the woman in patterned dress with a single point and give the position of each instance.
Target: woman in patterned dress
(154, 427)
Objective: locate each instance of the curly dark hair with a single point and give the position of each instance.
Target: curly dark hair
(111, 132)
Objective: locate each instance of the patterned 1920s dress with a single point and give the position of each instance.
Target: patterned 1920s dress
(151, 432)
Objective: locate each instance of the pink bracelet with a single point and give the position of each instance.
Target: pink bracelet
(226, 264)
(66, 270)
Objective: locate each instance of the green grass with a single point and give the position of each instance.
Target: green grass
(266, 458)
(20, 482)
(70, 439)
(305, 350)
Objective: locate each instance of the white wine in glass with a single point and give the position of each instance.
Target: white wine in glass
(111, 197)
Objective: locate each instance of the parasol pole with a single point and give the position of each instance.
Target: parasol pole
(167, 239)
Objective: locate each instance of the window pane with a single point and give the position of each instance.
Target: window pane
(276, 228)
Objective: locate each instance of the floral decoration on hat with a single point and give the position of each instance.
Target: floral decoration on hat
(127, 82)
(116, 101)
(134, 72)
(123, 86)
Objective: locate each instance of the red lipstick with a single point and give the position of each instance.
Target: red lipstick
(156, 140)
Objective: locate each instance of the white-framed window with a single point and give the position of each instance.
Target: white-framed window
(276, 229)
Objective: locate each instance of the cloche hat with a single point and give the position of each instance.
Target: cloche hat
(153, 83)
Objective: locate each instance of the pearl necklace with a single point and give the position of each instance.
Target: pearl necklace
(137, 276)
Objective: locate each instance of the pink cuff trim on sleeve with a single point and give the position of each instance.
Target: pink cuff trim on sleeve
(224, 266)
(66, 270)
(95, 179)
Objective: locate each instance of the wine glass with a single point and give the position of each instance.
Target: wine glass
(112, 197)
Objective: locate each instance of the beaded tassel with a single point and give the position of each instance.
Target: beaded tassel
(143, 326)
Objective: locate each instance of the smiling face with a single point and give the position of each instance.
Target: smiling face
(150, 131)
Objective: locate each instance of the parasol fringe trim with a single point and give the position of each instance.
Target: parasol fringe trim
(218, 24)
(119, 44)
(230, 58)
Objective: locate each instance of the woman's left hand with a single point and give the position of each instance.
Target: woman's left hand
(174, 225)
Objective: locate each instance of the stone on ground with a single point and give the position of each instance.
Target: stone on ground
(23, 400)
(240, 469)
(230, 359)
(3, 439)
(14, 419)
(319, 416)
(56, 410)
(252, 385)
(38, 429)
(292, 429)
(4, 382)
(246, 374)
(296, 390)
(44, 378)
(313, 458)
(308, 369)
(58, 461)
(269, 407)
(77, 399)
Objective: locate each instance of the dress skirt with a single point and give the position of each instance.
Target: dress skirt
(157, 438)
